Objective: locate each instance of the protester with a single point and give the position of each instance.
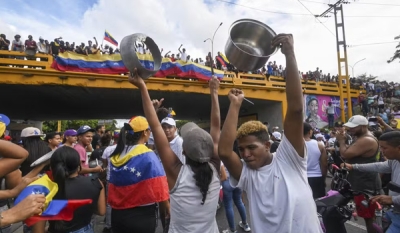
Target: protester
(192, 210)
(277, 188)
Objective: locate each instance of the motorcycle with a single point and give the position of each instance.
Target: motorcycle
(335, 209)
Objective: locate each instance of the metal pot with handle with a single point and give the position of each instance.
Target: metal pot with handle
(249, 44)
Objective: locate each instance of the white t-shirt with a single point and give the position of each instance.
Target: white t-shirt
(183, 56)
(330, 109)
(106, 155)
(280, 198)
(187, 213)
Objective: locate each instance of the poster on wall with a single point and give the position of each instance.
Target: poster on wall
(315, 109)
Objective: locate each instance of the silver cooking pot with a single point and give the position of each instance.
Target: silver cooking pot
(249, 44)
(131, 60)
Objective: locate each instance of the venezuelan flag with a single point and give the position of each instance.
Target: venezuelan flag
(137, 179)
(109, 38)
(53, 209)
(112, 64)
(224, 58)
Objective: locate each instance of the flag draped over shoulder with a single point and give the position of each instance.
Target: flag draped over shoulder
(112, 64)
(137, 179)
(54, 209)
(108, 37)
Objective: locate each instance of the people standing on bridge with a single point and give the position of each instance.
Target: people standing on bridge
(192, 210)
(137, 180)
(85, 136)
(363, 150)
(277, 188)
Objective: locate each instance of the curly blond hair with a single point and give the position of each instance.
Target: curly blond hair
(256, 128)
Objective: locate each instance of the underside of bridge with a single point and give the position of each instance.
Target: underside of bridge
(62, 102)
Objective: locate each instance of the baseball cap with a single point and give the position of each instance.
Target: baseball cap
(70, 132)
(2, 128)
(197, 143)
(356, 120)
(277, 135)
(31, 132)
(4, 119)
(137, 124)
(169, 121)
(84, 129)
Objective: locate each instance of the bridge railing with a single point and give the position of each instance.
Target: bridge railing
(20, 60)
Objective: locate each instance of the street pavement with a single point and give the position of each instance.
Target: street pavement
(351, 226)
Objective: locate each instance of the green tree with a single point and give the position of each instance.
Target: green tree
(52, 126)
(397, 52)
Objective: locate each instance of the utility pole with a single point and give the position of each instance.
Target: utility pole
(341, 48)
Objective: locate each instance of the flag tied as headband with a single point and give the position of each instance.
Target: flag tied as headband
(136, 179)
(53, 209)
(112, 64)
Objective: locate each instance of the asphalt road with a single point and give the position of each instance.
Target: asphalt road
(352, 226)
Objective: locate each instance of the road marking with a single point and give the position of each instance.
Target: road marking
(356, 225)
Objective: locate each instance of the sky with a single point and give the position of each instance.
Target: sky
(189, 22)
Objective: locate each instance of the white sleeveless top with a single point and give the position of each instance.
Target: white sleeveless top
(187, 212)
(313, 156)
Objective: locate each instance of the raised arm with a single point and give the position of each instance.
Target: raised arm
(12, 157)
(215, 121)
(228, 135)
(293, 123)
(170, 161)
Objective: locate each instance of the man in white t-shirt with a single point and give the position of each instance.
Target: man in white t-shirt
(175, 141)
(183, 53)
(280, 198)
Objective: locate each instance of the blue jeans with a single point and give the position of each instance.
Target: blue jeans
(395, 218)
(235, 195)
(331, 120)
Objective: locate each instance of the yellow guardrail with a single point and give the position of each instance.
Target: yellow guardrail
(42, 62)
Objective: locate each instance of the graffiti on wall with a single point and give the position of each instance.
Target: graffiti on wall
(315, 109)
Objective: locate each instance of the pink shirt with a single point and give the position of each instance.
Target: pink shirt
(82, 154)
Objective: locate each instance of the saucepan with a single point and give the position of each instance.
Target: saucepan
(131, 60)
(249, 44)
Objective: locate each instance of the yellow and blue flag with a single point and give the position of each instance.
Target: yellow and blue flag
(53, 209)
(112, 64)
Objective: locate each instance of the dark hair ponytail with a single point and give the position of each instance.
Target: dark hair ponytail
(203, 176)
(126, 139)
(64, 162)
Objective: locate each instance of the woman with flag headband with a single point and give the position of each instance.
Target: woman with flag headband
(137, 181)
(194, 186)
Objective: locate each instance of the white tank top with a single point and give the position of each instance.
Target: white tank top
(313, 156)
(187, 212)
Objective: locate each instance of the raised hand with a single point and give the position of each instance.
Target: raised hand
(31, 205)
(136, 80)
(285, 41)
(214, 83)
(157, 103)
(236, 96)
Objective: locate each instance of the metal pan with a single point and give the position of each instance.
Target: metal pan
(249, 44)
(43, 159)
(131, 60)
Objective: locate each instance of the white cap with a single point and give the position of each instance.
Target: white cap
(320, 136)
(31, 132)
(356, 120)
(277, 135)
(168, 120)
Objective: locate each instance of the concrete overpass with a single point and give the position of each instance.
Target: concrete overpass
(33, 90)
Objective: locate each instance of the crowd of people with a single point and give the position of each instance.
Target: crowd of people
(281, 172)
(58, 45)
